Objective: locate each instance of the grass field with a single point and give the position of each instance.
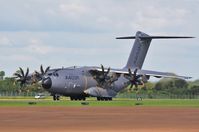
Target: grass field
(92, 102)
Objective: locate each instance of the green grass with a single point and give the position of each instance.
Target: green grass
(93, 102)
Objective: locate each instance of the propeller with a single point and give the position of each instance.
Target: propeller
(21, 76)
(37, 76)
(44, 71)
(134, 79)
(102, 77)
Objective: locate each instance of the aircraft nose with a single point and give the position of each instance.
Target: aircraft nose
(47, 83)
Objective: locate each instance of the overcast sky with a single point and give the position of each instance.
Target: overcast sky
(82, 32)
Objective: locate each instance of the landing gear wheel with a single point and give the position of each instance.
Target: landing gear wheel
(56, 97)
(77, 98)
(98, 99)
(104, 98)
(71, 98)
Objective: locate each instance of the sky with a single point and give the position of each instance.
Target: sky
(62, 33)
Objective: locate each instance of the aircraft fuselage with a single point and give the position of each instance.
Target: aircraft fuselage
(74, 81)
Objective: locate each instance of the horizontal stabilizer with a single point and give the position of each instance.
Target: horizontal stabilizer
(155, 37)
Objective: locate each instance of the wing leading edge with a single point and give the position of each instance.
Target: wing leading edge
(156, 74)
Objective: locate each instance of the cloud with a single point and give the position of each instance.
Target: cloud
(4, 41)
(78, 16)
(16, 58)
(76, 32)
(73, 9)
(37, 47)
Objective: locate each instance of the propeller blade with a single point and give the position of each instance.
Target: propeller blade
(17, 75)
(135, 74)
(135, 71)
(41, 69)
(27, 71)
(47, 69)
(108, 71)
(130, 73)
(36, 72)
(22, 73)
(102, 68)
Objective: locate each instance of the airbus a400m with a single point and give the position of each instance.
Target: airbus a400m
(103, 83)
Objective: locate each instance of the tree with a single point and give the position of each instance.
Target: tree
(2, 74)
(194, 90)
(172, 86)
(7, 85)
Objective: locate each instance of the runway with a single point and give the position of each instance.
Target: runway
(99, 119)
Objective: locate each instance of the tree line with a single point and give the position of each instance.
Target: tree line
(165, 86)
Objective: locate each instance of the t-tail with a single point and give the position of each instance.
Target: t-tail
(141, 46)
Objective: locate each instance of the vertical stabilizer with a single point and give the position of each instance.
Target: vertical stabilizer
(139, 51)
(141, 46)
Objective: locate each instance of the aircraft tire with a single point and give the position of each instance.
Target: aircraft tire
(58, 97)
(104, 99)
(98, 98)
(77, 98)
(71, 98)
(54, 98)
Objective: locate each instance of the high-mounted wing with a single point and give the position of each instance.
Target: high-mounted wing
(162, 74)
(146, 73)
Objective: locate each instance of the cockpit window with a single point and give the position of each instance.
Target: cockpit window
(56, 74)
(49, 74)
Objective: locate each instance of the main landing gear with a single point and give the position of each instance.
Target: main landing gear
(77, 98)
(104, 98)
(56, 97)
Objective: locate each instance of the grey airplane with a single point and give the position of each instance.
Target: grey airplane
(102, 83)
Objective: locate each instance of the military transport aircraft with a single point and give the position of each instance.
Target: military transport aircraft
(103, 83)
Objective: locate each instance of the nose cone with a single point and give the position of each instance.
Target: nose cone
(47, 83)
